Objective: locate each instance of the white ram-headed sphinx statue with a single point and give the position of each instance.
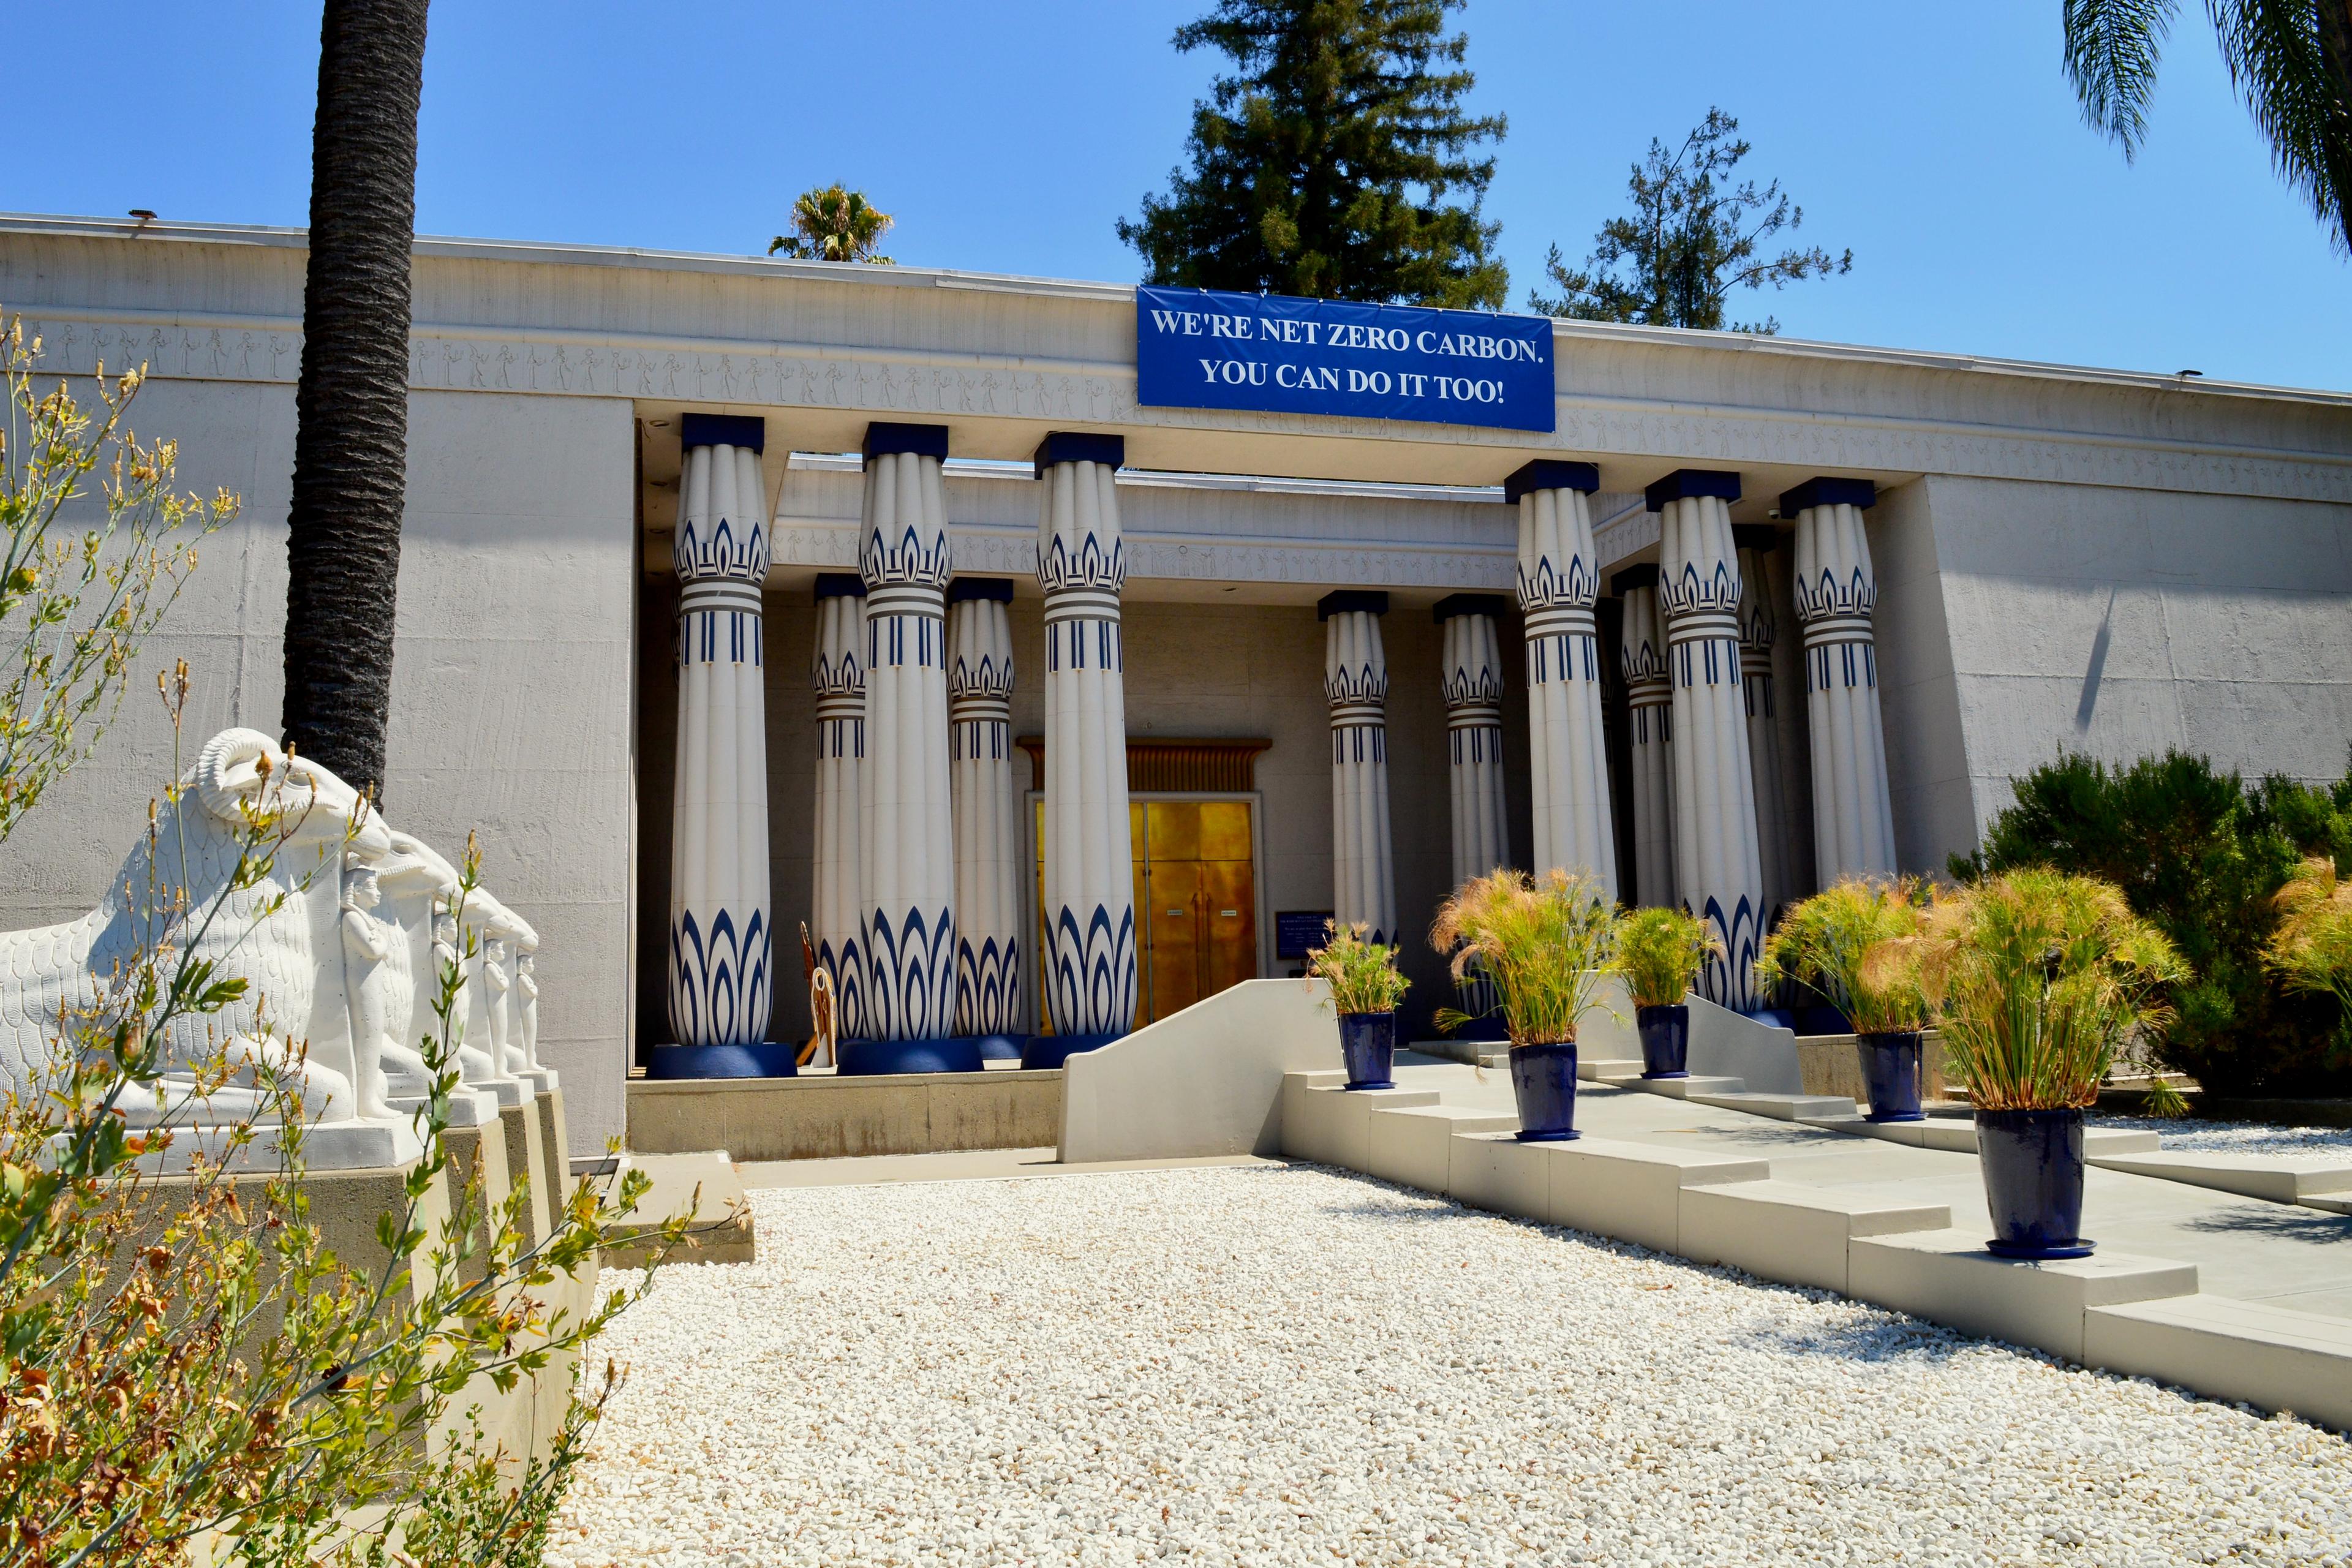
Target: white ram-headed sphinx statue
(174, 889)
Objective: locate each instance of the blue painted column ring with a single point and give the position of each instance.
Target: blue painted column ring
(1087, 972)
(906, 850)
(721, 940)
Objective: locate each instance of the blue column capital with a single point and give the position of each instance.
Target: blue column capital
(1078, 447)
(1643, 576)
(1684, 484)
(1551, 473)
(1829, 491)
(748, 431)
(1455, 604)
(840, 585)
(1370, 601)
(884, 439)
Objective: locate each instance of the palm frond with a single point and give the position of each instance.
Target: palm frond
(2112, 51)
(2292, 62)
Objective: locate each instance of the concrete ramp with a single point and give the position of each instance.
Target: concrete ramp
(1724, 1044)
(1207, 1080)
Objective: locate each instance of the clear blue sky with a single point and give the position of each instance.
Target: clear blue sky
(1940, 142)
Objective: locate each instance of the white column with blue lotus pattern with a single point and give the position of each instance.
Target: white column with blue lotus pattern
(906, 839)
(1718, 870)
(1086, 974)
(1837, 597)
(1559, 580)
(720, 917)
(1356, 686)
(1757, 626)
(1649, 734)
(836, 912)
(1471, 681)
(992, 998)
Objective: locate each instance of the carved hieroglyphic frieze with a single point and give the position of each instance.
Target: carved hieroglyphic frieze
(894, 383)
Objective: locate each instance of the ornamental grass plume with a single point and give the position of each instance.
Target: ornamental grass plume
(1544, 942)
(2034, 977)
(1820, 942)
(2311, 947)
(1660, 953)
(1362, 974)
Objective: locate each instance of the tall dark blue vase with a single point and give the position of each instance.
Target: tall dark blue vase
(2032, 1163)
(1890, 1072)
(1665, 1039)
(1368, 1044)
(1543, 1080)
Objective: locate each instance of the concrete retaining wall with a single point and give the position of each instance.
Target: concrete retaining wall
(821, 1116)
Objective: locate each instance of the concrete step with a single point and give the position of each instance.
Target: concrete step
(1791, 1231)
(1677, 1087)
(1780, 1107)
(2279, 1178)
(1605, 1068)
(2268, 1357)
(1947, 1276)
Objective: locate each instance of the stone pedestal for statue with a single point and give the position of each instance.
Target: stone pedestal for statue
(1568, 755)
(1086, 971)
(991, 1005)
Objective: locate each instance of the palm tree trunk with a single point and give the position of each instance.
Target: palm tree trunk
(351, 444)
(2336, 48)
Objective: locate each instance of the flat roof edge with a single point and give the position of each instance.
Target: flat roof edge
(548, 253)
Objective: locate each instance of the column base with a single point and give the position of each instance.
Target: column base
(1053, 1050)
(869, 1058)
(998, 1047)
(772, 1059)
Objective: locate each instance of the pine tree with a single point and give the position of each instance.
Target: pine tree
(1324, 165)
(1691, 238)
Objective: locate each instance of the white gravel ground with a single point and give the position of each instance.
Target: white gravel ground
(1259, 1367)
(2187, 1134)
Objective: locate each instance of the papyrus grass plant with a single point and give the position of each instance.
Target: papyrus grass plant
(1544, 942)
(1660, 953)
(1821, 943)
(1362, 974)
(2034, 977)
(2311, 947)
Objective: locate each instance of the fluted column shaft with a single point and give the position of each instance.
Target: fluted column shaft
(1837, 598)
(1567, 759)
(1649, 702)
(1473, 690)
(991, 999)
(1089, 976)
(836, 912)
(1355, 684)
(1718, 870)
(906, 840)
(720, 917)
(1756, 627)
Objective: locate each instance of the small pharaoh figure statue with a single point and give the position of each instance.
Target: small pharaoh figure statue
(474, 1063)
(375, 972)
(525, 1006)
(503, 1049)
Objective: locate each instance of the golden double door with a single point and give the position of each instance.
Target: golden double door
(1196, 900)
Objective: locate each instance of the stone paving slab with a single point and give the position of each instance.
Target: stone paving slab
(2280, 1178)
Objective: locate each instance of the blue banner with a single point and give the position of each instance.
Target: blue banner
(1196, 348)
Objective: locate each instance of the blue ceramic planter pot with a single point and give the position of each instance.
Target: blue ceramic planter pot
(1890, 1070)
(1665, 1039)
(1543, 1080)
(1368, 1044)
(2034, 1182)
